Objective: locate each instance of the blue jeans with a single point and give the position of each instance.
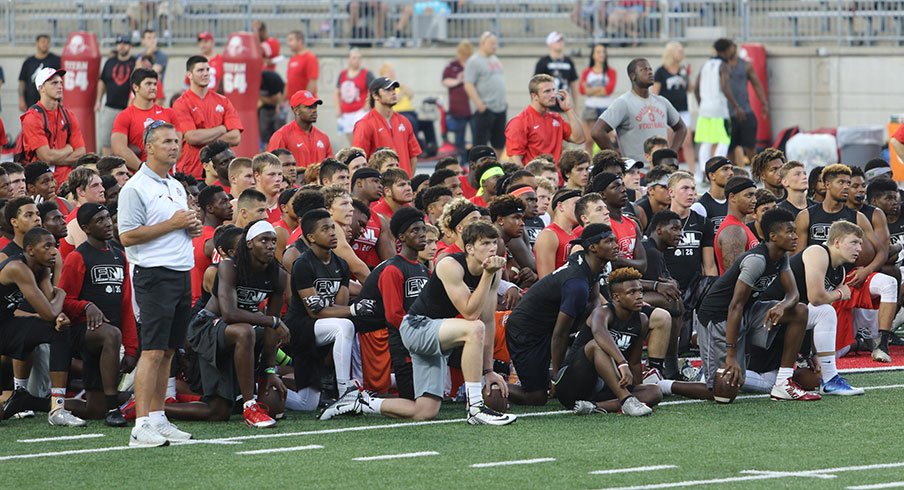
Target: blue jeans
(458, 126)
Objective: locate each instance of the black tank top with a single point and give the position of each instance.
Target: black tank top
(896, 231)
(250, 294)
(12, 249)
(715, 211)
(434, 302)
(103, 281)
(624, 332)
(820, 221)
(10, 295)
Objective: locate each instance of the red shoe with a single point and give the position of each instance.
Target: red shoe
(169, 400)
(256, 416)
(128, 409)
(790, 390)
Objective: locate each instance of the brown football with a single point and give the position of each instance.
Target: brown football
(492, 397)
(806, 378)
(723, 391)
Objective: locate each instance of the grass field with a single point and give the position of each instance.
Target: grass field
(753, 443)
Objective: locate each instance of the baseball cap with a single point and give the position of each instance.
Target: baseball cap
(205, 36)
(554, 37)
(122, 38)
(45, 74)
(480, 151)
(631, 164)
(384, 83)
(305, 98)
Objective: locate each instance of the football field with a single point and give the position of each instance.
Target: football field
(754, 443)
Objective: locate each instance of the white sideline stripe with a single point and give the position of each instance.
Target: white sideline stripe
(62, 438)
(66, 453)
(636, 469)
(202, 441)
(871, 369)
(894, 484)
(396, 456)
(789, 473)
(511, 463)
(769, 475)
(281, 449)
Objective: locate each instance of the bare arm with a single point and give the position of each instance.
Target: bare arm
(471, 90)
(724, 83)
(22, 106)
(228, 301)
(656, 88)
(312, 86)
(120, 144)
(577, 127)
(899, 149)
(559, 345)
(233, 137)
(469, 304)
(679, 135)
(816, 261)
(385, 242)
(757, 87)
(522, 254)
(600, 134)
(802, 227)
(697, 89)
(101, 90)
(709, 262)
(200, 137)
(46, 308)
(47, 154)
(358, 268)
(873, 235)
(545, 253)
(517, 159)
(732, 242)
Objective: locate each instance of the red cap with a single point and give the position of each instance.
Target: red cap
(304, 97)
(205, 36)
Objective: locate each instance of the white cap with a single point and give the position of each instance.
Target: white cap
(45, 74)
(553, 38)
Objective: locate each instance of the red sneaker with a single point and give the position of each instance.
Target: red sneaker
(171, 399)
(128, 409)
(790, 390)
(256, 416)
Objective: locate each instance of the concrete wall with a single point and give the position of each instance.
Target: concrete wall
(829, 88)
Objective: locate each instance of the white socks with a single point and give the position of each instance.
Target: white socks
(475, 394)
(157, 417)
(171, 387)
(373, 407)
(824, 321)
(784, 374)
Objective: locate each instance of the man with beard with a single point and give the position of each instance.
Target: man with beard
(397, 193)
(308, 144)
(382, 127)
(538, 129)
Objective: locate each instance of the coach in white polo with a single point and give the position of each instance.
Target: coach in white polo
(156, 228)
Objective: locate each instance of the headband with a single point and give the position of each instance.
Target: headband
(718, 164)
(353, 155)
(522, 190)
(586, 242)
(403, 219)
(461, 214)
(739, 187)
(875, 172)
(87, 211)
(259, 228)
(602, 180)
(564, 196)
(488, 174)
(663, 181)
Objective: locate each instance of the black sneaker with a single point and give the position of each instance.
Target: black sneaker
(114, 418)
(15, 403)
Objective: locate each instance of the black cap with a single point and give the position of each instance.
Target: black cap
(403, 219)
(122, 38)
(365, 173)
(384, 83)
(480, 151)
(35, 170)
(662, 153)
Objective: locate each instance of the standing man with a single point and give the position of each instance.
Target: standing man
(206, 45)
(638, 115)
(269, 45)
(714, 95)
(203, 116)
(114, 83)
(156, 234)
(304, 68)
(28, 90)
(560, 67)
(149, 43)
(308, 144)
(538, 130)
(127, 139)
(350, 93)
(485, 85)
(59, 143)
(743, 120)
(382, 127)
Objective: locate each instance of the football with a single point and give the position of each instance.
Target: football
(492, 397)
(723, 392)
(806, 378)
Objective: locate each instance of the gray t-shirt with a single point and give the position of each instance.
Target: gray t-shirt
(635, 119)
(488, 78)
(738, 84)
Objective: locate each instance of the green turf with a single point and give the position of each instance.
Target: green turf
(704, 440)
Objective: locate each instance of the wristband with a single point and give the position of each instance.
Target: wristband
(270, 370)
(623, 363)
(655, 285)
(840, 294)
(275, 323)
(487, 371)
(731, 345)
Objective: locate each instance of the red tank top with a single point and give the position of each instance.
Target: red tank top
(564, 243)
(732, 221)
(365, 246)
(626, 235)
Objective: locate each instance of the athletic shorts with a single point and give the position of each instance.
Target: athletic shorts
(686, 118)
(20, 335)
(207, 337)
(531, 357)
(164, 298)
(346, 121)
(105, 125)
(91, 376)
(578, 380)
(591, 114)
(420, 335)
(743, 133)
(712, 130)
(711, 338)
(401, 364)
(489, 128)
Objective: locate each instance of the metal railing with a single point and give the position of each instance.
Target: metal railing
(397, 23)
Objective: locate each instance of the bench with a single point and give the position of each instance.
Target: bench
(842, 15)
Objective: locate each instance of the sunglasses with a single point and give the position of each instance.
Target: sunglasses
(151, 127)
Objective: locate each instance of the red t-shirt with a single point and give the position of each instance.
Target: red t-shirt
(530, 134)
(303, 67)
(352, 92)
(132, 121)
(202, 262)
(899, 134)
(446, 250)
(3, 140)
(467, 191)
(374, 131)
(65, 247)
(270, 50)
(274, 214)
(732, 221)
(308, 147)
(382, 208)
(34, 136)
(478, 201)
(365, 246)
(193, 112)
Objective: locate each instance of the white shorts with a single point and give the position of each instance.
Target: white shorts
(346, 121)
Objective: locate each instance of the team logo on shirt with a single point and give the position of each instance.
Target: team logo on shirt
(762, 284)
(111, 275)
(148, 121)
(13, 299)
(401, 127)
(717, 221)
(622, 339)
(327, 288)
(896, 239)
(249, 297)
(819, 231)
(555, 123)
(413, 286)
(220, 108)
(320, 144)
(299, 145)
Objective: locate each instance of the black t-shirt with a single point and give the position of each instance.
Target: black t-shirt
(794, 209)
(656, 266)
(10, 295)
(715, 211)
(103, 280)
(562, 70)
(820, 221)
(251, 292)
(434, 302)
(685, 262)
(754, 268)
(751, 225)
(411, 279)
(271, 84)
(12, 249)
(309, 271)
(674, 87)
(115, 75)
(625, 333)
(532, 228)
(834, 277)
(566, 290)
(30, 66)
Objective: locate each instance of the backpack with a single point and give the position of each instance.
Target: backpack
(783, 136)
(19, 154)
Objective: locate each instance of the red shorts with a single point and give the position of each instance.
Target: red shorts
(860, 298)
(375, 360)
(500, 350)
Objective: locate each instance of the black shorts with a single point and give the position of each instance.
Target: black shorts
(306, 358)
(743, 133)
(579, 381)
(20, 335)
(489, 128)
(531, 357)
(401, 364)
(91, 376)
(164, 302)
(207, 337)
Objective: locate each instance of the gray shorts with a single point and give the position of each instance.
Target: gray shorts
(420, 335)
(207, 337)
(105, 126)
(711, 338)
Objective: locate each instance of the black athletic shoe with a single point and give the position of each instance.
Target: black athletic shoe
(114, 418)
(15, 403)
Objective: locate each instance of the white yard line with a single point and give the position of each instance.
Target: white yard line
(62, 438)
(512, 463)
(281, 449)
(636, 469)
(396, 456)
(66, 453)
(790, 473)
(894, 484)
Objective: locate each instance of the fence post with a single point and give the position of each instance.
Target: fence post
(839, 30)
(664, 12)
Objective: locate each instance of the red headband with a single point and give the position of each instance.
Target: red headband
(522, 190)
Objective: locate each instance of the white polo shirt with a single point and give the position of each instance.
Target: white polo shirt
(146, 200)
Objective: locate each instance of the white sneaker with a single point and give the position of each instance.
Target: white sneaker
(483, 415)
(348, 404)
(880, 355)
(146, 436)
(64, 418)
(584, 407)
(651, 376)
(28, 414)
(171, 432)
(635, 408)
